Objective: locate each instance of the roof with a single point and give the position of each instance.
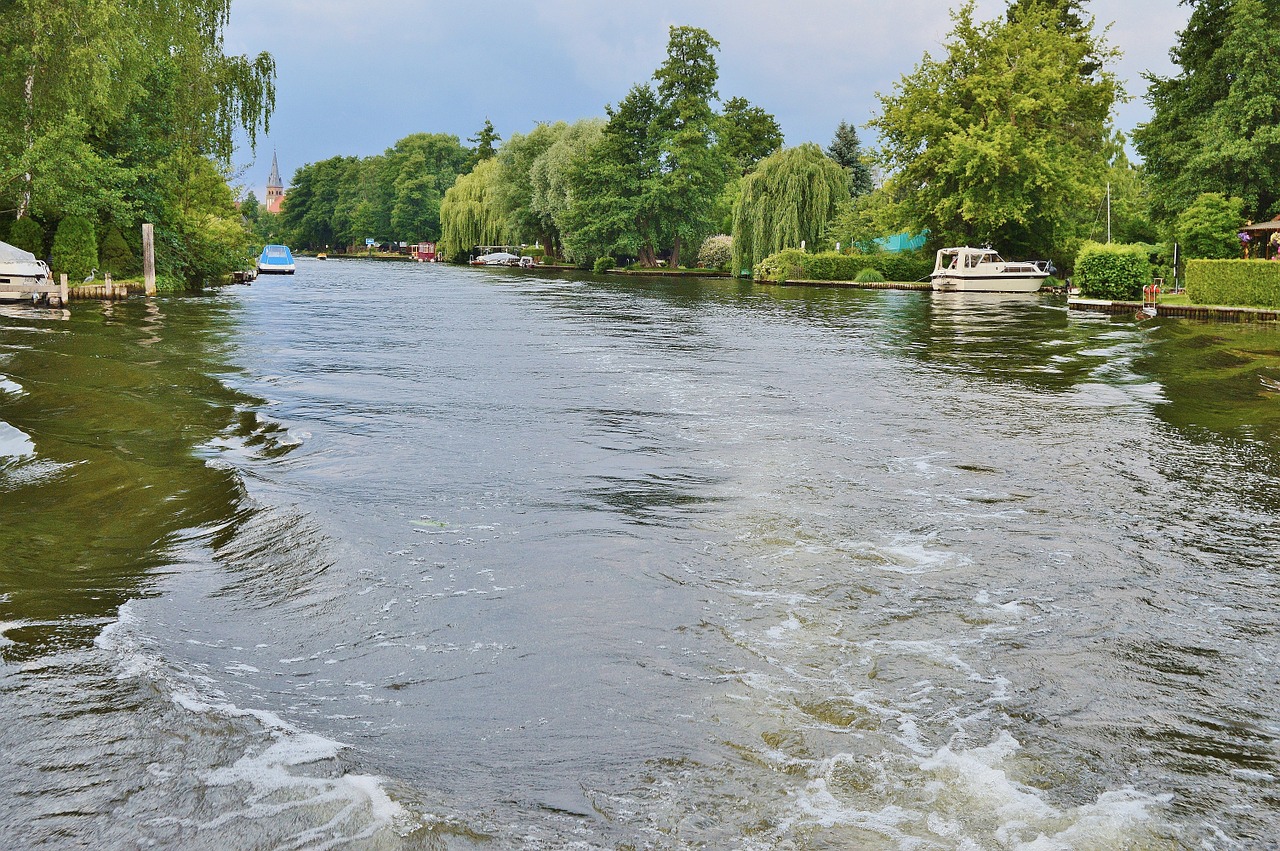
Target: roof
(274, 181)
(1262, 227)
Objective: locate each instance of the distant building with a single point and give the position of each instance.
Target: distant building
(275, 187)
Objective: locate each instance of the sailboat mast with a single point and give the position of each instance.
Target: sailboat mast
(1108, 212)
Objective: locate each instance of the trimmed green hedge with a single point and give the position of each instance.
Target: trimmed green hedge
(795, 265)
(1234, 283)
(1113, 271)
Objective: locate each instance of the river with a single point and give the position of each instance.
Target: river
(410, 556)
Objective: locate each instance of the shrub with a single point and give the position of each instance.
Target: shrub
(602, 265)
(869, 275)
(27, 234)
(1207, 229)
(535, 252)
(116, 256)
(1234, 283)
(716, 252)
(1112, 271)
(793, 264)
(75, 248)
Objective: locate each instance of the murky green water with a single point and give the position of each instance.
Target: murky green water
(412, 556)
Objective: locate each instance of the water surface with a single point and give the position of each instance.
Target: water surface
(409, 556)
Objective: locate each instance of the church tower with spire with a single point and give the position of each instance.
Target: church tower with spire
(275, 187)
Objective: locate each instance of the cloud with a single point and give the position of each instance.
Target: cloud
(354, 78)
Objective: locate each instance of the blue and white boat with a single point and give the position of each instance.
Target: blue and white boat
(276, 260)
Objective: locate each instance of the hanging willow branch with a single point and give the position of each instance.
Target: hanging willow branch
(470, 214)
(787, 200)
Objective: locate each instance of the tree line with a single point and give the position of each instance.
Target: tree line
(1006, 137)
(119, 112)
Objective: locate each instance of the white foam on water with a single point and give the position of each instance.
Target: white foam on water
(328, 811)
(967, 798)
(9, 386)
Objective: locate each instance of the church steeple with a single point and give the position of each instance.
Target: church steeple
(274, 181)
(275, 187)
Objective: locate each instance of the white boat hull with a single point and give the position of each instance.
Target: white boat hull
(998, 283)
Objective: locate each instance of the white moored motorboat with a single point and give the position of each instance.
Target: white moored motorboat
(981, 270)
(21, 274)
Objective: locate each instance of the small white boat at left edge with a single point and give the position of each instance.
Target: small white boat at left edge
(21, 274)
(982, 270)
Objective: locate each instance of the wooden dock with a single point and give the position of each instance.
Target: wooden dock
(1181, 311)
(55, 295)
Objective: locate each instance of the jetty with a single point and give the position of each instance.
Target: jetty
(1181, 311)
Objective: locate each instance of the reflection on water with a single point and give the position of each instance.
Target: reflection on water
(586, 562)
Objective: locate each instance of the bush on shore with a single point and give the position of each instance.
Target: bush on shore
(1115, 271)
(793, 264)
(1234, 283)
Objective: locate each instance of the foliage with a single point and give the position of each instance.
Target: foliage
(609, 212)
(1006, 138)
(1208, 228)
(846, 150)
(793, 264)
(859, 222)
(75, 248)
(470, 214)
(747, 133)
(869, 275)
(602, 265)
(1234, 283)
(1215, 126)
(716, 252)
(394, 196)
(1112, 271)
(27, 234)
(116, 255)
(788, 199)
(514, 191)
(485, 141)
(251, 207)
(550, 175)
(105, 102)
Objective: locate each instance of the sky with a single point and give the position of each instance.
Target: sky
(353, 78)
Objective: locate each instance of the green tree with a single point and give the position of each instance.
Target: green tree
(1208, 228)
(1215, 126)
(250, 207)
(747, 134)
(75, 248)
(550, 175)
(787, 200)
(115, 254)
(846, 149)
(486, 144)
(1004, 139)
(470, 214)
(693, 169)
(609, 214)
(514, 192)
(27, 234)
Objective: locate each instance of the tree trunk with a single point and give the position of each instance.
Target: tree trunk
(648, 258)
(675, 253)
(28, 97)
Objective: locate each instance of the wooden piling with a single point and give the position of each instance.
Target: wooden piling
(64, 297)
(149, 258)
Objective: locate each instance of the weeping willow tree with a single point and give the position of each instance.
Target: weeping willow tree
(470, 214)
(787, 200)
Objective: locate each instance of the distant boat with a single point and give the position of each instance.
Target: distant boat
(21, 274)
(497, 258)
(322, 256)
(981, 270)
(276, 260)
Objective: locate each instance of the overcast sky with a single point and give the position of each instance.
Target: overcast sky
(355, 77)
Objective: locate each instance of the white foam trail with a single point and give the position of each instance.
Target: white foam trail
(966, 798)
(354, 806)
(8, 386)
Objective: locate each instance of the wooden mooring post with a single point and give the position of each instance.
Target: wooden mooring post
(149, 258)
